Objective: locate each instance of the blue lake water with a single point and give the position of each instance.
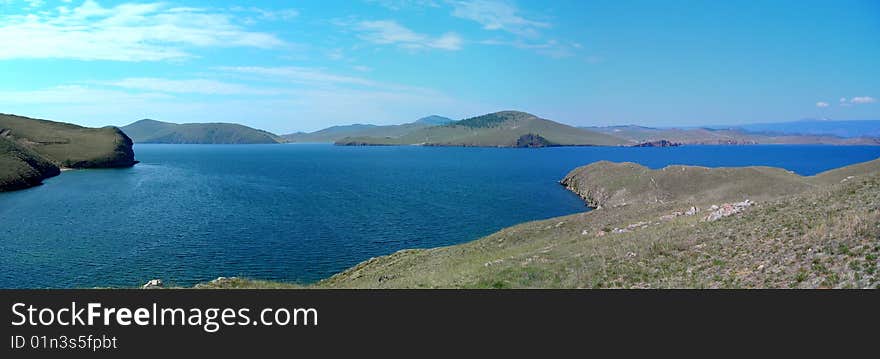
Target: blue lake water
(191, 213)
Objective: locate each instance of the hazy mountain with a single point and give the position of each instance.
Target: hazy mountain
(500, 129)
(150, 131)
(866, 128)
(723, 136)
(335, 133)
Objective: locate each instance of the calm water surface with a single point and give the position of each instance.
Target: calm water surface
(190, 213)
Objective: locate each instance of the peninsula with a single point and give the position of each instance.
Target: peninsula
(675, 227)
(32, 150)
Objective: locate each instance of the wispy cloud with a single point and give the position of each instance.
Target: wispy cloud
(320, 79)
(862, 100)
(193, 86)
(404, 4)
(125, 32)
(270, 15)
(302, 75)
(389, 32)
(75, 94)
(858, 100)
(522, 32)
(497, 15)
(552, 48)
(821, 104)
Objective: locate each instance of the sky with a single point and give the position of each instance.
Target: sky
(305, 65)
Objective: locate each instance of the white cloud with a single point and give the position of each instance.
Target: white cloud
(821, 104)
(70, 94)
(303, 75)
(126, 32)
(862, 100)
(404, 4)
(195, 86)
(550, 48)
(497, 15)
(32, 4)
(388, 32)
(271, 15)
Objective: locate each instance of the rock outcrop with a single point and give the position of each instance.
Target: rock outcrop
(658, 143)
(532, 140)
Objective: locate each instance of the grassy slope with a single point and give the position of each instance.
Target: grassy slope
(21, 167)
(805, 232)
(500, 129)
(149, 131)
(70, 145)
(638, 134)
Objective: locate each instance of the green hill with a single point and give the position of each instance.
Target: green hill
(435, 120)
(150, 131)
(676, 227)
(500, 129)
(32, 150)
(336, 133)
(21, 167)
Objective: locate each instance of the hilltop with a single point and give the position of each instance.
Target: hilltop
(499, 129)
(151, 131)
(336, 133)
(32, 150)
(675, 227)
(728, 136)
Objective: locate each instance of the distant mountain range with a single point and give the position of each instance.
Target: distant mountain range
(151, 131)
(516, 129)
(499, 129)
(848, 129)
(336, 133)
(738, 136)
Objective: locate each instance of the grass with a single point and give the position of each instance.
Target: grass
(804, 232)
(32, 150)
(69, 145)
(21, 167)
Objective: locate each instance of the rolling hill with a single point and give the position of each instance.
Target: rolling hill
(336, 133)
(499, 129)
(32, 150)
(151, 131)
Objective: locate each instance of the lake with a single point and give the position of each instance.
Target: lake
(300, 213)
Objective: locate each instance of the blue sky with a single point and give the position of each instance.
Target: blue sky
(307, 65)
